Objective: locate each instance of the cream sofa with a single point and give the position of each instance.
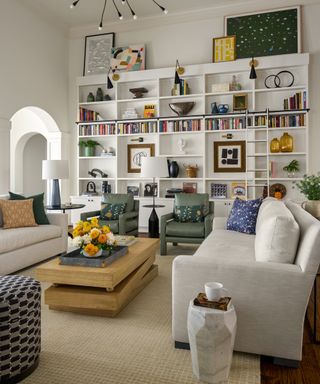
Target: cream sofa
(23, 247)
(270, 297)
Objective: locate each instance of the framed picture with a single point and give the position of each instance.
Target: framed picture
(229, 156)
(134, 189)
(190, 187)
(238, 189)
(135, 153)
(219, 191)
(97, 53)
(224, 49)
(266, 33)
(150, 189)
(240, 101)
(128, 58)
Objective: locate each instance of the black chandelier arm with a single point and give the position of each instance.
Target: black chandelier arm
(163, 9)
(102, 15)
(131, 10)
(74, 4)
(117, 9)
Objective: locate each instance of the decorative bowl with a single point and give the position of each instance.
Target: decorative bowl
(98, 254)
(182, 109)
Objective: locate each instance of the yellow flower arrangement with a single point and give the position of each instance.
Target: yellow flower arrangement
(89, 236)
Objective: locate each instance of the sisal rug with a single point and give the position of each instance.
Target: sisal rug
(133, 348)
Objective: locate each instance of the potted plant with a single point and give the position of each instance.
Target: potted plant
(292, 168)
(310, 187)
(88, 147)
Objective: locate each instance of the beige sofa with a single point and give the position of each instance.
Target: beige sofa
(270, 297)
(23, 247)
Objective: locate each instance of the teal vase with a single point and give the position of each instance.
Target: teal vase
(99, 95)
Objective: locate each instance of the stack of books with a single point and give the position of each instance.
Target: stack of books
(130, 113)
(87, 115)
(223, 304)
(297, 101)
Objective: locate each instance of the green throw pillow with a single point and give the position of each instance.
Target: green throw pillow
(112, 211)
(38, 206)
(188, 214)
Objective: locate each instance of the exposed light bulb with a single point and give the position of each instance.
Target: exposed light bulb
(72, 5)
(135, 17)
(165, 11)
(120, 17)
(100, 26)
(123, 2)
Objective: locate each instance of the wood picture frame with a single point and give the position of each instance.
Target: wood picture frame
(223, 49)
(281, 25)
(134, 154)
(240, 101)
(229, 156)
(98, 53)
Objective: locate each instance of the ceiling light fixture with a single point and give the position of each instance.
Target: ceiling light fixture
(120, 16)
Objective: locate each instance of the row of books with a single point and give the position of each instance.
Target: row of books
(137, 127)
(97, 129)
(87, 115)
(287, 121)
(180, 125)
(223, 124)
(297, 101)
(257, 120)
(181, 89)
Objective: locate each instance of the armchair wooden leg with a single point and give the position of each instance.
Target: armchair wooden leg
(163, 246)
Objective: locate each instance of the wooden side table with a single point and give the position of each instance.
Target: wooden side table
(211, 336)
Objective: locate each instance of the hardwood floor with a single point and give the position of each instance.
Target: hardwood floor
(309, 370)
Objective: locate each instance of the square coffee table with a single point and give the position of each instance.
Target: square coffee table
(100, 291)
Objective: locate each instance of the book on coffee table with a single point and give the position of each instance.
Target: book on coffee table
(124, 240)
(223, 304)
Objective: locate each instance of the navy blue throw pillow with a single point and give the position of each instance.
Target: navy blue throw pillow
(243, 216)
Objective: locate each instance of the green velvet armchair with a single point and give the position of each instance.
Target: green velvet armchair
(175, 232)
(128, 223)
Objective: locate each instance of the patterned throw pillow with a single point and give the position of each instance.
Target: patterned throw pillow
(112, 211)
(188, 214)
(243, 216)
(38, 206)
(17, 213)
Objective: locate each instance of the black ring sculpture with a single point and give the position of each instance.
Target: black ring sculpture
(277, 80)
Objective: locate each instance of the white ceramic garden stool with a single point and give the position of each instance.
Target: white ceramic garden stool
(211, 336)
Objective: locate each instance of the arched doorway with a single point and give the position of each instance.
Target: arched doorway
(31, 126)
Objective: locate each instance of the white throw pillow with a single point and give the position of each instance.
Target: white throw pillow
(277, 234)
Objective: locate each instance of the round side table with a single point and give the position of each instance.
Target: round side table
(64, 207)
(211, 336)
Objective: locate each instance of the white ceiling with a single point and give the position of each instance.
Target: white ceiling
(88, 12)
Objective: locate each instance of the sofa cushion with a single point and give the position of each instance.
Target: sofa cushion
(188, 213)
(278, 234)
(17, 214)
(112, 211)
(243, 216)
(223, 244)
(176, 229)
(38, 206)
(15, 238)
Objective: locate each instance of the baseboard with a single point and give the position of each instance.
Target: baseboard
(180, 345)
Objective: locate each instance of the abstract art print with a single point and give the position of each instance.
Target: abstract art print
(224, 49)
(266, 33)
(135, 154)
(229, 156)
(128, 58)
(97, 53)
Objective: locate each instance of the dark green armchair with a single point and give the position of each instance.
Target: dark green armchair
(128, 223)
(175, 232)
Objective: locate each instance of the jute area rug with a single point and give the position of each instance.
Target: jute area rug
(135, 347)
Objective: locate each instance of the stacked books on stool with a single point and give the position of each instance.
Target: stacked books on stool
(223, 304)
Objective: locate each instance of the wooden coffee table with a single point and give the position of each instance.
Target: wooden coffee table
(100, 291)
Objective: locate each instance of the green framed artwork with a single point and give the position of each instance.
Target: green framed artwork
(267, 33)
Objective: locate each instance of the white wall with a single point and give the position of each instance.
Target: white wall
(33, 71)
(188, 37)
(34, 152)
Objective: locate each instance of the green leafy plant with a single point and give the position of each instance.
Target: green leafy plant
(89, 143)
(310, 186)
(293, 166)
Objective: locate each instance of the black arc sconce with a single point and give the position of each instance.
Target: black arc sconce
(253, 64)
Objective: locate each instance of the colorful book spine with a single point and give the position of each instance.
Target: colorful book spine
(137, 127)
(97, 129)
(179, 126)
(297, 101)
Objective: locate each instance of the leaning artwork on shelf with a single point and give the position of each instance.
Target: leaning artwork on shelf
(238, 189)
(97, 53)
(128, 58)
(134, 189)
(219, 191)
(135, 153)
(229, 156)
(150, 189)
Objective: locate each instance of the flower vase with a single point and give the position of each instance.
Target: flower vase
(99, 253)
(313, 207)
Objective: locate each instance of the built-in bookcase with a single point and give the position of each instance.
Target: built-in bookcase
(263, 120)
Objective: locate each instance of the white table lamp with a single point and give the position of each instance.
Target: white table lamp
(152, 167)
(55, 170)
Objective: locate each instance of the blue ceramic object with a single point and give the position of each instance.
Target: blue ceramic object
(223, 108)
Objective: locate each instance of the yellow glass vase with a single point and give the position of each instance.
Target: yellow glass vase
(275, 145)
(286, 142)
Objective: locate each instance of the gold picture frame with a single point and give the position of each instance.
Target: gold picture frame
(224, 49)
(240, 101)
(229, 156)
(135, 153)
